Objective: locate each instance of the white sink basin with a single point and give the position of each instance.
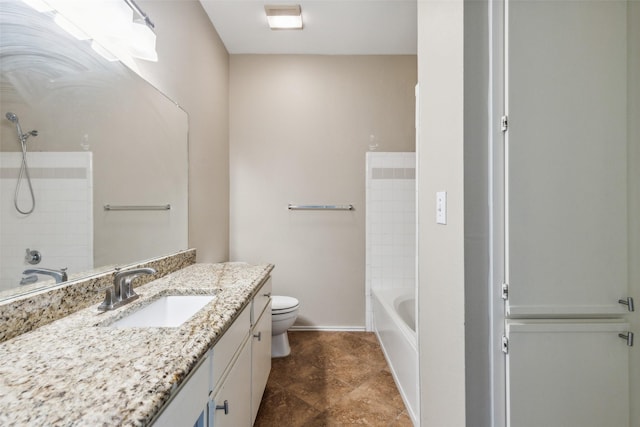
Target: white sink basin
(168, 311)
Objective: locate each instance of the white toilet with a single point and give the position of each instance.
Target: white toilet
(284, 311)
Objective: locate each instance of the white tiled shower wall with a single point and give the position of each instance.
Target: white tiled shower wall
(60, 227)
(391, 223)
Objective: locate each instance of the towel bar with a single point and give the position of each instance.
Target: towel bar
(320, 207)
(137, 208)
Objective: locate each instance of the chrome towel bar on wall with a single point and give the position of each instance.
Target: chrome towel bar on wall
(320, 207)
(137, 208)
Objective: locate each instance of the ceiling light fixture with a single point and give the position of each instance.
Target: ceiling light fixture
(284, 17)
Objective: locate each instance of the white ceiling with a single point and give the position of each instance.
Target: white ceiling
(331, 27)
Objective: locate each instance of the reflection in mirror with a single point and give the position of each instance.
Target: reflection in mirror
(78, 132)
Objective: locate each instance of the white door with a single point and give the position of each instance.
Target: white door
(566, 154)
(567, 374)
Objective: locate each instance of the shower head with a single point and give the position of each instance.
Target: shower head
(13, 118)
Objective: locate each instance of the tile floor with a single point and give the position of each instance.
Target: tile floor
(332, 379)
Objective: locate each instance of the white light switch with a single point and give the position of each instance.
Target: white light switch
(441, 207)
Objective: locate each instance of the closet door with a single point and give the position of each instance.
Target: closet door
(566, 157)
(567, 374)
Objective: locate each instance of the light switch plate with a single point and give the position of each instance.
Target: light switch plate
(441, 207)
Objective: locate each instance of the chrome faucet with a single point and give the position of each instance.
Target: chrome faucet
(59, 275)
(122, 291)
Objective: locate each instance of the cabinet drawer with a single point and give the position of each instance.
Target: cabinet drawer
(260, 301)
(229, 344)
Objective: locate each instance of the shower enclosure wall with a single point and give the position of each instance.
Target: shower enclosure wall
(61, 226)
(391, 266)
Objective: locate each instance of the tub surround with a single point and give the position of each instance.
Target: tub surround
(27, 312)
(391, 266)
(391, 224)
(398, 340)
(79, 371)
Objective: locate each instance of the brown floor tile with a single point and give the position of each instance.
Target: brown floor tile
(303, 338)
(355, 409)
(282, 408)
(370, 337)
(323, 356)
(349, 340)
(352, 341)
(321, 392)
(403, 420)
(281, 373)
(381, 388)
(353, 370)
(372, 353)
(332, 379)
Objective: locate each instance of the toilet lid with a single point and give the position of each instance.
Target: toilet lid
(281, 303)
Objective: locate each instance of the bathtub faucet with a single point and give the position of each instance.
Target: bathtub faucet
(59, 275)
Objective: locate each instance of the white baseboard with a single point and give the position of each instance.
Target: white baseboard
(328, 328)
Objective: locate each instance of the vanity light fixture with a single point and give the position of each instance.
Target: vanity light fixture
(100, 50)
(144, 17)
(70, 27)
(120, 27)
(39, 5)
(143, 36)
(143, 41)
(287, 17)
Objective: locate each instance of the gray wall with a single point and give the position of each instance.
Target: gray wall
(300, 128)
(476, 213)
(441, 252)
(193, 69)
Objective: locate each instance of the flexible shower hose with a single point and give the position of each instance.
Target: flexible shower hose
(24, 171)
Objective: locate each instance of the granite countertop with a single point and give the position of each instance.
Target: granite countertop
(77, 372)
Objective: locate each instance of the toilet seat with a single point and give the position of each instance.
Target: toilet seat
(283, 305)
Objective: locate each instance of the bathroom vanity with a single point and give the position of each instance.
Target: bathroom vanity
(212, 369)
(226, 387)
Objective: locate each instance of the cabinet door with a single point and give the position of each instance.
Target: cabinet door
(234, 394)
(260, 359)
(189, 404)
(566, 157)
(567, 374)
(231, 341)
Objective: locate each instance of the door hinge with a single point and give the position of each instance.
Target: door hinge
(504, 123)
(628, 337)
(628, 302)
(505, 344)
(505, 291)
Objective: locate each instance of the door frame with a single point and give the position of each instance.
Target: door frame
(498, 87)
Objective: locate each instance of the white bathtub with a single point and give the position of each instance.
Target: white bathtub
(394, 322)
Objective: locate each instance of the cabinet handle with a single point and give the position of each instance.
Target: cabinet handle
(628, 302)
(225, 406)
(258, 335)
(268, 294)
(628, 337)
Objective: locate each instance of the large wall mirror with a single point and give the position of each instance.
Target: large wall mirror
(105, 179)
